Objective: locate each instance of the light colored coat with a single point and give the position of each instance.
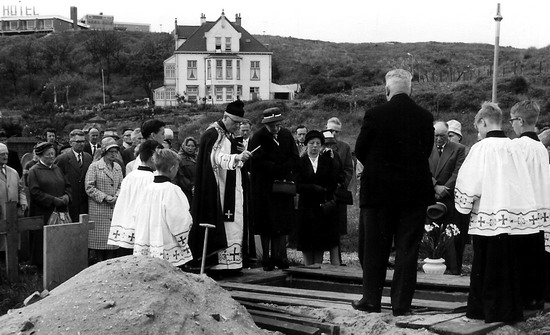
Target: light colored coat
(101, 181)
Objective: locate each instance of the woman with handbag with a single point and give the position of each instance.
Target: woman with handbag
(272, 174)
(316, 182)
(49, 192)
(103, 181)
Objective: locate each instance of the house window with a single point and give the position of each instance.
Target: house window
(218, 44)
(219, 69)
(229, 94)
(31, 24)
(170, 94)
(228, 44)
(238, 76)
(228, 69)
(239, 91)
(192, 93)
(254, 90)
(192, 69)
(209, 92)
(13, 25)
(159, 95)
(254, 93)
(209, 69)
(255, 70)
(48, 23)
(170, 71)
(219, 93)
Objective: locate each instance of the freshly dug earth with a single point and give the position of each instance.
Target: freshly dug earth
(133, 295)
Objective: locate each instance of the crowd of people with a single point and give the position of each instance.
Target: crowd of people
(263, 189)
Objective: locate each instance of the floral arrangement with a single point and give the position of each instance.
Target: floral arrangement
(437, 237)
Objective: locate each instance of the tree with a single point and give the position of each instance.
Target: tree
(105, 48)
(146, 64)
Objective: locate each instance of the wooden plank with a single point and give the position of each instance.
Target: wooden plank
(465, 326)
(263, 307)
(65, 251)
(325, 327)
(287, 301)
(336, 296)
(348, 274)
(419, 321)
(285, 327)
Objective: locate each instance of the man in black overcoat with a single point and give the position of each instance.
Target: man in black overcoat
(394, 145)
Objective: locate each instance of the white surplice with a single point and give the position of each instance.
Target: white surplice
(130, 198)
(494, 185)
(163, 222)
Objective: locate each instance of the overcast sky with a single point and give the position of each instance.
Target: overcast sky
(526, 23)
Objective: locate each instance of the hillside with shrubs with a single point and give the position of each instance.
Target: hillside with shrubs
(344, 79)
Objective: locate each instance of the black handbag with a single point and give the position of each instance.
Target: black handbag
(284, 187)
(343, 196)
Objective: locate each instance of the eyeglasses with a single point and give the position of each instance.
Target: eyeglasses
(334, 131)
(513, 119)
(79, 141)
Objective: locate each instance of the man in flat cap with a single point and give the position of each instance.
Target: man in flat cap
(219, 197)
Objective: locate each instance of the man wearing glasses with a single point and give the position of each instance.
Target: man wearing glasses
(219, 196)
(75, 164)
(494, 185)
(343, 150)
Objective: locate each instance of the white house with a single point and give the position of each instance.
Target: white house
(215, 63)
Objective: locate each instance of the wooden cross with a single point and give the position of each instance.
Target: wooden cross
(12, 226)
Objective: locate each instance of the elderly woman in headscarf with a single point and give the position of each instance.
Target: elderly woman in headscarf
(103, 181)
(49, 191)
(185, 178)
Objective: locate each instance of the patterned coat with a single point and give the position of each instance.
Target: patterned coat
(101, 181)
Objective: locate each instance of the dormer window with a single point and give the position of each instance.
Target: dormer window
(228, 44)
(218, 44)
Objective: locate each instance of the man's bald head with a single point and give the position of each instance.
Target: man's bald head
(3, 154)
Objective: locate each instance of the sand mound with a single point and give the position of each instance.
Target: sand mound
(133, 295)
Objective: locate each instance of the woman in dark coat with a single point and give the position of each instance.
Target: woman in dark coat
(185, 178)
(316, 182)
(275, 159)
(49, 190)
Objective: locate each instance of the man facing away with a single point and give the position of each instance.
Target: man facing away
(523, 118)
(394, 144)
(445, 161)
(75, 164)
(218, 199)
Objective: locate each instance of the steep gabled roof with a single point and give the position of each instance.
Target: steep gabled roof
(196, 42)
(185, 31)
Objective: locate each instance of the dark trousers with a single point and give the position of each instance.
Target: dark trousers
(495, 293)
(530, 252)
(378, 228)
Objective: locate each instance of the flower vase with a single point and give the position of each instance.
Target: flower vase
(434, 266)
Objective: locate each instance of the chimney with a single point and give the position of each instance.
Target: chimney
(238, 19)
(203, 19)
(74, 17)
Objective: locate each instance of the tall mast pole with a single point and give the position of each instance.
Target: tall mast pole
(498, 18)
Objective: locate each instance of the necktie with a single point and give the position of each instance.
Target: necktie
(80, 159)
(4, 170)
(93, 150)
(439, 150)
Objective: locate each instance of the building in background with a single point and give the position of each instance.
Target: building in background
(126, 26)
(217, 62)
(28, 22)
(99, 22)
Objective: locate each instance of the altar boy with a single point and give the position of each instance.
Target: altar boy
(494, 185)
(163, 221)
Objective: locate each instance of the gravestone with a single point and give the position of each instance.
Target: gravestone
(65, 251)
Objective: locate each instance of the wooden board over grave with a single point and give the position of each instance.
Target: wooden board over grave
(65, 251)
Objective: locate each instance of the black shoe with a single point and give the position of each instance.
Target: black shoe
(401, 312)
(362, 305)
(534, 305)
(268, 265)
(281, 264)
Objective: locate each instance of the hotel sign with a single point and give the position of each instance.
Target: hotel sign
(18, 10)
